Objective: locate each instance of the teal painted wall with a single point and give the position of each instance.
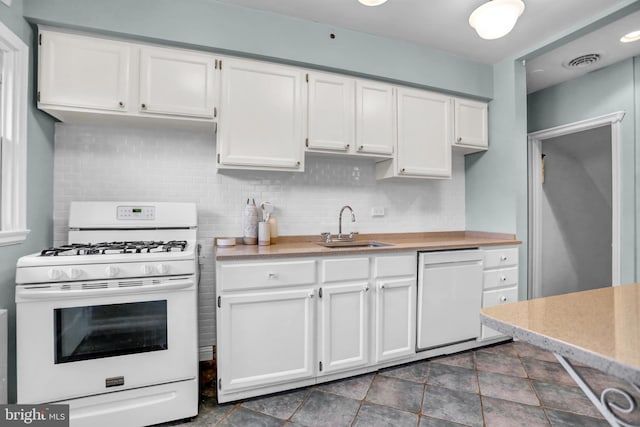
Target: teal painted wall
(496, 180)
(600, 92)
(39, 188)
(213, 25)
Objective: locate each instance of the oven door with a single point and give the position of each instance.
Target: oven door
(83, 339)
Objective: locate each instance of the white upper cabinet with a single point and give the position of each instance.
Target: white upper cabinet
(331, 112)
(83, 72)
(174, 82)
(424, 135)
(261, 118)
(93, 79)
(375, 113)
(470, 125)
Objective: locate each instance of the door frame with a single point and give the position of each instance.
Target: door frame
(535, 140)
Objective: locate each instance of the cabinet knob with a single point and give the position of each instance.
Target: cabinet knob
(360, 148)
(402, 170)
(298, 164)
(144, 106)
(503, 299)
(273, 276)
(311, 295)
(459, 139)
(121, 104)
(346, 146)
(503, 278)
(503, 257)
(366, 289)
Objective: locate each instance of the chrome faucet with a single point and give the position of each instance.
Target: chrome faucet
(353, 219)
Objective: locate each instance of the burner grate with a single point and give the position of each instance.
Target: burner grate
(125, 247)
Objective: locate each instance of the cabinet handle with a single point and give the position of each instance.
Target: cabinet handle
(121, 104)
(459, 139)
(503, 257)
(366, 289)
(402, 170)
(298, 164)
(346, 146)
(503, 299)
(311, 295)
(503, 278)
(273, 276)
(381, 286)
(360, 148)
(144, 106)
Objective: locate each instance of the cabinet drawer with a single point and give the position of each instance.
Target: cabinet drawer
(500, 277)
(502, 257)
(267, 275)
(398, 265)
(344, 269)
(499, 296)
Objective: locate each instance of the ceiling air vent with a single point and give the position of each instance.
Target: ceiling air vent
(583, 61)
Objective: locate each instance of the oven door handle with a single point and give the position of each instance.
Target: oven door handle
(47, 293)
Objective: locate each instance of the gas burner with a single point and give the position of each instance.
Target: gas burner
(105, 248)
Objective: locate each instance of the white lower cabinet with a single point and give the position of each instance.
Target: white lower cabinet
(500, 282)
(265, 338)
(293, 322)
(343, 327)
(395, 335)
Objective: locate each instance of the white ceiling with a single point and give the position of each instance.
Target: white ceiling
(443, 24)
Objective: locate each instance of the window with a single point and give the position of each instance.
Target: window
(14, 78)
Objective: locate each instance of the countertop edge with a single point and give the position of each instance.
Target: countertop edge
(306, 246)
(573, 352)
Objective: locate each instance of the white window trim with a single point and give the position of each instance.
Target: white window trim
(13, 116)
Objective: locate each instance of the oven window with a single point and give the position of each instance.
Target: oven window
(92, 332)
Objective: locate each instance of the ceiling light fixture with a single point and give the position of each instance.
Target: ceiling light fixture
(496, 18)
(633, 36)
(372, 2)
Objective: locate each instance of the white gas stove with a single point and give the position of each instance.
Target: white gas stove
(108, 322)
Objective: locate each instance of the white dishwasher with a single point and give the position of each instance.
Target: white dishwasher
(449, 297)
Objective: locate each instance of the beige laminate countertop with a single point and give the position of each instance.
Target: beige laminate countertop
(294, 246)
(600, 327)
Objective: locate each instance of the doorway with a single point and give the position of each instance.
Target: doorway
(574, 224)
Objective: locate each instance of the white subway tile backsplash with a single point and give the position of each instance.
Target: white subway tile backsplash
(116, 163)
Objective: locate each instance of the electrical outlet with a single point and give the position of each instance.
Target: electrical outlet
(377, 211)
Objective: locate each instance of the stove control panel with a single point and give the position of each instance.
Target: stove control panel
(136, 213)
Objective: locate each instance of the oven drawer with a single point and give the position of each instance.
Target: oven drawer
(256, 275)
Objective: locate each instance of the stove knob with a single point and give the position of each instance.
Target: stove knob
(55, 274)
(163, 269)
(75, 273)
(111, 271)
(146, 269)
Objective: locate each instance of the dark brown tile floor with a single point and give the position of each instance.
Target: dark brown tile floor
(512, 384)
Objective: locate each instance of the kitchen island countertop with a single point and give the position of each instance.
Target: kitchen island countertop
(296, 246)
(599, 328)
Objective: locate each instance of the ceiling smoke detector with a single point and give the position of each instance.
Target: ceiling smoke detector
(583, 61)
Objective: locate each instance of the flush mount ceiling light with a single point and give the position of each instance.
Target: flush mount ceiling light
(496, 18)
(372, 2)
(633, 36)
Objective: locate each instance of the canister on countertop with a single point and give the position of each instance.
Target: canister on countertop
(264, 233)
(250, 223)
(273, 228)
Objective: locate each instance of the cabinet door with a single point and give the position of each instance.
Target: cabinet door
(343, 327)
(83, 72)
(497, 297)
(395, 319)
(331, 100)
(375, 122)
(265, 338)
(261, 116)
(424, 134)
(470, 123)
(176, 82)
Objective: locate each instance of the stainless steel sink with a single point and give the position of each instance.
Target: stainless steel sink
(354, 244)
